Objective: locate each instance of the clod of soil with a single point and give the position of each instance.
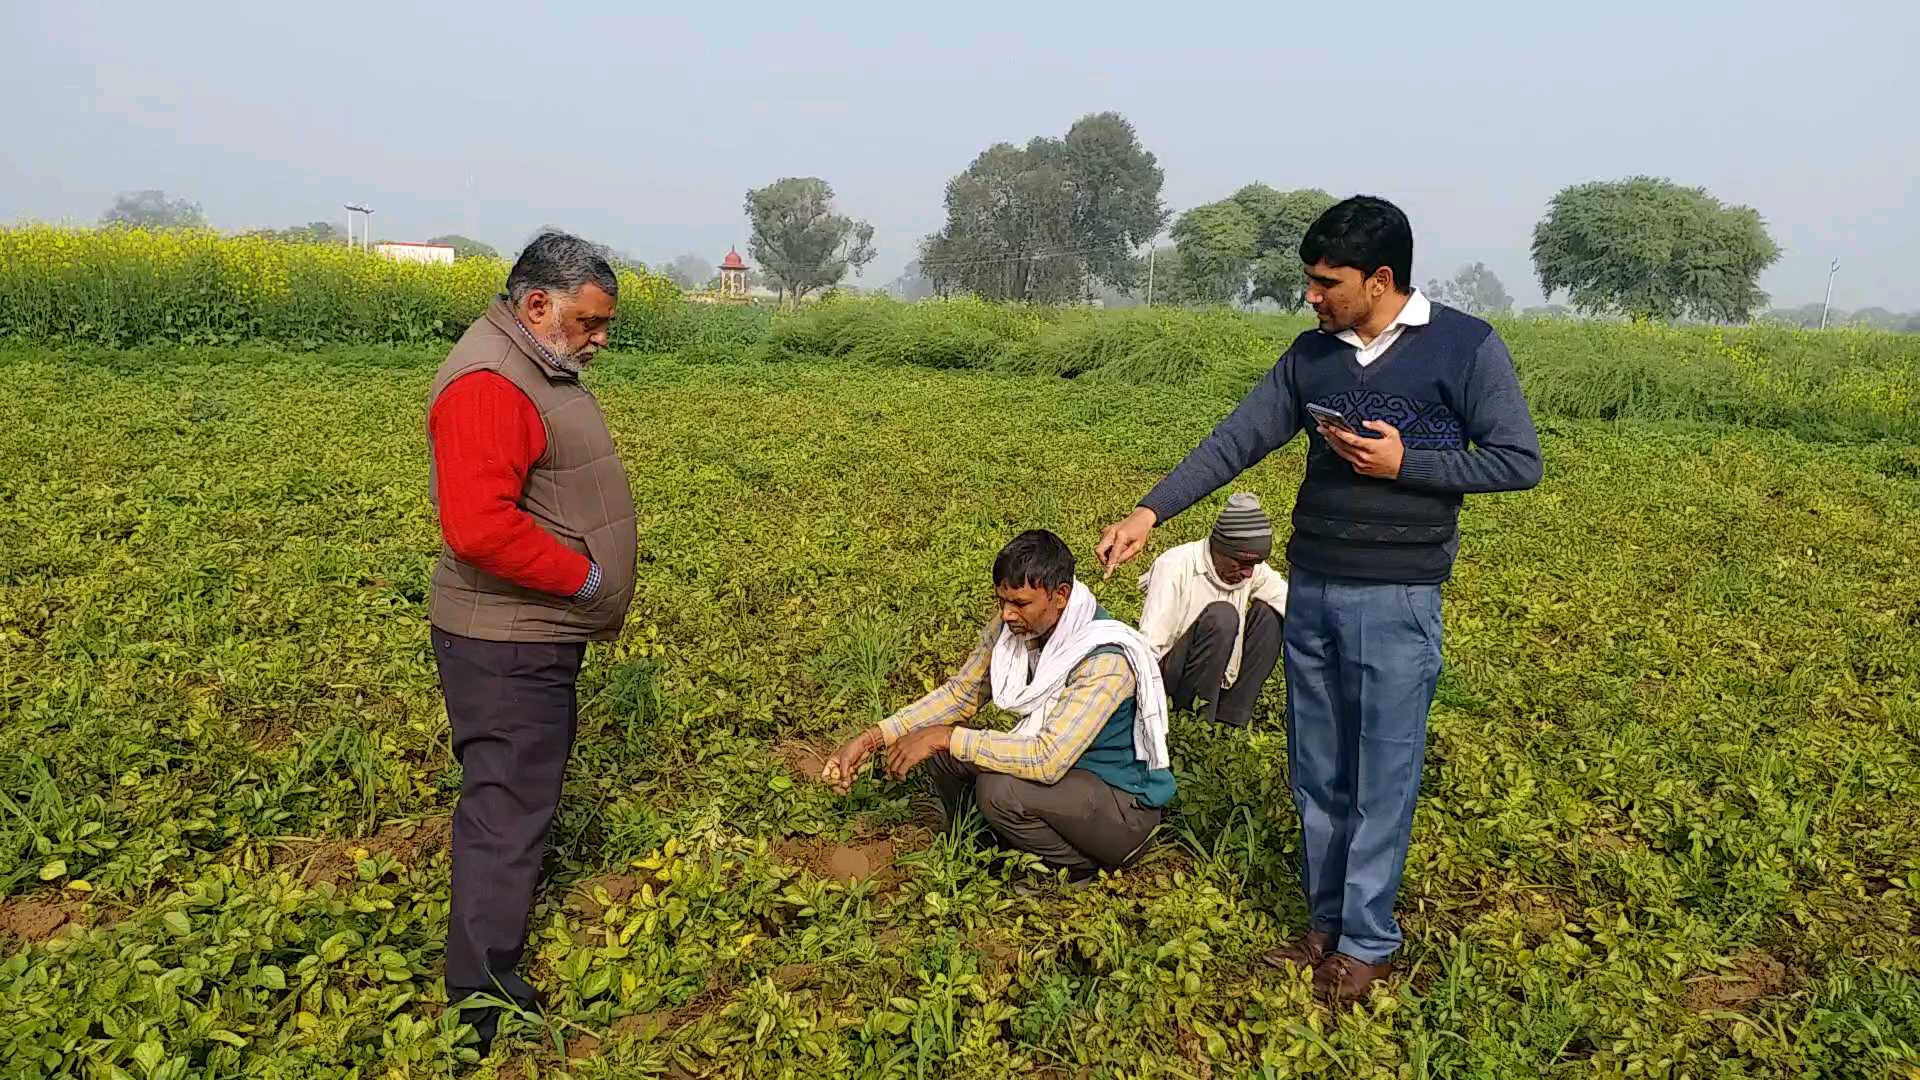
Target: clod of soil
(639, 1024)
(999, 957)
(851, 864)
(1755, 976)
(618, 887)
(266, 736)
(789, 976)
(38, 918)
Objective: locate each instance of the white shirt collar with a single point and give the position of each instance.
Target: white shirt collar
(1417, 311)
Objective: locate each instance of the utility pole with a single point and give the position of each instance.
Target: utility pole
(1151, 249)
(1828, 302)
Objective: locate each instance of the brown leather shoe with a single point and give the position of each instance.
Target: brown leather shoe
(1305, 953)
(1342, 979)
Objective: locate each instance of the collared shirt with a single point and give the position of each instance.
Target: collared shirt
(546, 354)
(1417, 311)
(1094, 689)
(1183, 582)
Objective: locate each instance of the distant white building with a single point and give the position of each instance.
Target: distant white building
(420, 253)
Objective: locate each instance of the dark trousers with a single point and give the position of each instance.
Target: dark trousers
(1363, 660)
(1197, 663)
(513, 710)
(1079, 823)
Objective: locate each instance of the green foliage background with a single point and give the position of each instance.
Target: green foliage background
(1673, 755)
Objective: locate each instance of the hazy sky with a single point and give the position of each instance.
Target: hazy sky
(644, 130)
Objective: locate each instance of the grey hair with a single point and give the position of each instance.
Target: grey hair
(558, 262)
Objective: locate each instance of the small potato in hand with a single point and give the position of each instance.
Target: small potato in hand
(831, 773)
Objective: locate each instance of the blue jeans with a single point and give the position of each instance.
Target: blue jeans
(1362, 661)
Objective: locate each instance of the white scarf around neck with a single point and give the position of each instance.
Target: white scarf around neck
(1078, 633)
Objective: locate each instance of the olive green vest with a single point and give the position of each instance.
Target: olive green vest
(578, 491)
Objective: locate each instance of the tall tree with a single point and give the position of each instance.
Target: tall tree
(1247, 247)
(151, 209)
(690, 271)
(465, 248)
(1217, 243)
(1283, 218)
(798, 239)
(1042, 222)
(1650, 249)
(1474, 289)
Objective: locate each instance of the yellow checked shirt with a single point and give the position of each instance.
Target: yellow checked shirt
(1094, 689)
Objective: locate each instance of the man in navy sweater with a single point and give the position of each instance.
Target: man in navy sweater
(1413, 406)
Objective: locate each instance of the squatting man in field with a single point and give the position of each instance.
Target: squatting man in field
(1213, 614)
(537, 523)
(1407, 406)
(1083, 779)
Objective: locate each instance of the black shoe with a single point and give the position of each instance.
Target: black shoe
(486, 1019)
(486, 1025)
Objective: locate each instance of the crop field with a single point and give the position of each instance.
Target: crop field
(1670, 818)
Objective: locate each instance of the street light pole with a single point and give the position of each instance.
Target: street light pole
(1828, 302)
(366, 226)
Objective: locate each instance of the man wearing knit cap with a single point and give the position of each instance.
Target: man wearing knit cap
(1214, 613)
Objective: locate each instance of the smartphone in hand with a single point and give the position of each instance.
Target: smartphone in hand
(1334, 418)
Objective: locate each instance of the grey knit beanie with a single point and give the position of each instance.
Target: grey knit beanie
(1244, 526)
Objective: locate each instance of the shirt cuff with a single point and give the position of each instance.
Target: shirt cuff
(1419, 467)
(591, 587)
(892, 729)
(960, 745)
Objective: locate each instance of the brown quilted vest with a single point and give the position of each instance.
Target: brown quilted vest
(577, 490)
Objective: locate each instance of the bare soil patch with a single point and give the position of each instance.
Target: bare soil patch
(266, 736)
(619, 888)
(848, 863)
(1754, 977)
(802, 758)
(38, 918)
(407, 843)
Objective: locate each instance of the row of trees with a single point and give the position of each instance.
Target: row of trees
(1049, 222)
(1063, 220)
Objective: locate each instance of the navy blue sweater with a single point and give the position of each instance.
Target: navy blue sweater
(1448, 386)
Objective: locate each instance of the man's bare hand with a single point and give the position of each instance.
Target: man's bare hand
(919, 745)
(1125, 538)
(844, 765)
(1379, 458)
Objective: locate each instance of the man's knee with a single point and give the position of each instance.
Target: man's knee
(943, 764)
(998, 796)
(1217, 620)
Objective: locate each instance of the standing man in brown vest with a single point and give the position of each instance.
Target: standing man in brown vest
(537, 523)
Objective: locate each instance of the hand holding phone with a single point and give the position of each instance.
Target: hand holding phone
(1334, 418)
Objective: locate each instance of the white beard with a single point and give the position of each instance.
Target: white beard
(573, 361)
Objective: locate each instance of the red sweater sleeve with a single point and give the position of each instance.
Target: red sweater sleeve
(486, 435)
